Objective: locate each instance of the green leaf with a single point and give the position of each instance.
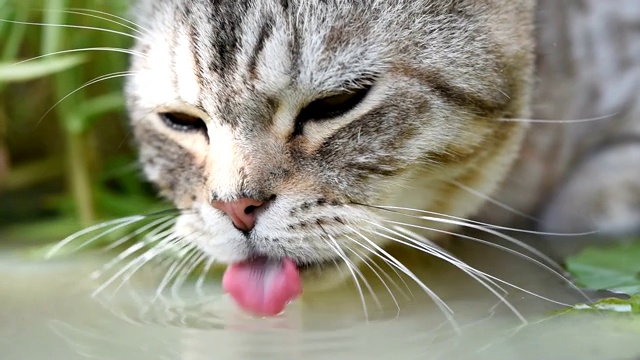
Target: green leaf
(612, 305)
(31, 70)
(614, 268)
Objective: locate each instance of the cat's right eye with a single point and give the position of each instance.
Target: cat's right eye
(331, 106)
(183, 122)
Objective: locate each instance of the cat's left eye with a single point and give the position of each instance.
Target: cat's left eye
(183, 122)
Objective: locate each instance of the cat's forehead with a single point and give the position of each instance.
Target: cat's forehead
(237, 57)
(317, 44)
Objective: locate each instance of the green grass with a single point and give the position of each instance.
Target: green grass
(76, 155)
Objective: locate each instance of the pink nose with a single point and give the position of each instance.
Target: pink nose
(241, 212)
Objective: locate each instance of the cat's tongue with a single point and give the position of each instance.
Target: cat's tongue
(261, 286)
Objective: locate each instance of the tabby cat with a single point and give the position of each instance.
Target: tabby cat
(291, 132)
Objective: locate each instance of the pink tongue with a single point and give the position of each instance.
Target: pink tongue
(263, 287)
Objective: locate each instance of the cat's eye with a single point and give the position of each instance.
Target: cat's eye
(183, 122)
(331, 106)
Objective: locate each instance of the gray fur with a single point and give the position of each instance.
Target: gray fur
(445, 76)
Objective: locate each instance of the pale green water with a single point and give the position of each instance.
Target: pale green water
(47, 312)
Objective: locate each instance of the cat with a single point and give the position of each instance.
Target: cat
(290, 133)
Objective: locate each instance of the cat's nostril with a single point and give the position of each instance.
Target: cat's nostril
(250, 209)
(241, 211)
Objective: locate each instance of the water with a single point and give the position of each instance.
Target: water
(47, 311)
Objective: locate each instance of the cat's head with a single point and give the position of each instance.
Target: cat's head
(277, 126)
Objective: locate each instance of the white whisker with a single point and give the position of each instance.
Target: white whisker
(441, 304)
(363, 257)
(475, 274)
(160, 223)
(124, 20)
(128, 220)
(114, 75)
(487, 225)
(87, 13)
(196, 258)
(489, 277)
(137, 263)
(350, 266)
(70, 51)
(492, 200)
(203, 275)
(506, 249)
(391, 266)
(130, 251)
(73, 27)
(508, 238)
(175, 267)
(575, 121)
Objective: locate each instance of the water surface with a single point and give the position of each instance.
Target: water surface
(48, 311)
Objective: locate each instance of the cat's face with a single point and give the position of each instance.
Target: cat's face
(276, 125)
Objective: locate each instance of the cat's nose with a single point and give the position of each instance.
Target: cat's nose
(241, 211)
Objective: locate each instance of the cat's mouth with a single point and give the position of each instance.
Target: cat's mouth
(265, 286)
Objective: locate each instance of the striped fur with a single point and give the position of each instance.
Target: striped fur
(444, 76)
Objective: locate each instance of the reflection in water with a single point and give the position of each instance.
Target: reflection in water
(48, 313)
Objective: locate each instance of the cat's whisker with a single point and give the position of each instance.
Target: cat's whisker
(111, 31)
(475, 274)
(199, 285)
(180, 261)
(127, 221)
(157, 225)
(132, 250)
(129, 270)
(493, 201)
(391, 266)
(368, 262)
(134, 264)
(508, 238)
(574, 121)
(441, 304)
(137, 26)
(550, 265)
(90, 49)
(191, 262)
(365, 260)
(98, 15)
(173, 212)
(417, 239)
(536, 262)
(484, 229)
(398, 209)
(101, 235)
(106, 77)
(351, 267)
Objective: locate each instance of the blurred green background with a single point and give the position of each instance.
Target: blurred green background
(64, 165)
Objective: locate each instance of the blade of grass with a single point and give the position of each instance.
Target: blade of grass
(10, 72)
(79, 173)
(15, 34)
